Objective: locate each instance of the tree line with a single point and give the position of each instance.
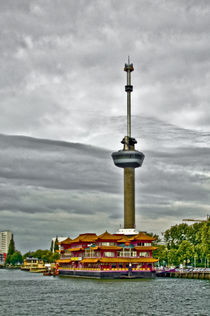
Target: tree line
(184, 244)
(14, 257)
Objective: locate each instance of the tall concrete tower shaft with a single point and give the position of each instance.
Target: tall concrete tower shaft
(129, 159)
(129, 198)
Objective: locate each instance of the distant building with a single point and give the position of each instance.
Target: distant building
(2, 258)
(59, 240)
(5, 238)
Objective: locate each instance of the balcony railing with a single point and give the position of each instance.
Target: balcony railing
(121, 254)
(127, 254)
(91, 255)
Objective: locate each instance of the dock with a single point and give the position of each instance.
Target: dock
(202, 275)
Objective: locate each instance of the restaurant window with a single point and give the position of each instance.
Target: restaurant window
(143, 254)
(109, 254)
(107, 243)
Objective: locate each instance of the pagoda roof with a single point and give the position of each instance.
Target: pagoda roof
(107, 236)
(106, 248)
(63, 261)
(123, 239)
(77, 239)
(142, 236)
(65, 242)
(145, 248)
(74, 249)
(89, 237)
(146, 260)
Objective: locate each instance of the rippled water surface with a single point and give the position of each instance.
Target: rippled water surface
(23, 293)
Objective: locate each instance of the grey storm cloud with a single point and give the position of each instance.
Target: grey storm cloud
(44, 161)
(62, 91)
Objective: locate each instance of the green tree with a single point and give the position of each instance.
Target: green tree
(28, 254)
(173, 258)
(161, 254)
(11, 248)
(51, 246)
(56, 247)
(205, 242)
(52, 257)
(39, 253)
(205, 238)
(185, 252)
(8, 259)
(16, 258)
(45, 255)
(194, 233)
(55, 257)
(175, 235)
(188, 243)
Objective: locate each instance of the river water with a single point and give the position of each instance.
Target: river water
(24, 293)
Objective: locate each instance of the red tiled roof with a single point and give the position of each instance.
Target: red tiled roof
(106, 248)
(142, 236)
(89, 237)
(65, 242)
(63, 261)
(74, 249)
(107, 237)
(123, 239)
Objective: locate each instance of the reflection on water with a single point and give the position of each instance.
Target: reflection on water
(23, 293)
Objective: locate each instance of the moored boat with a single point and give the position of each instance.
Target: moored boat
(34, 265)
(107, 256)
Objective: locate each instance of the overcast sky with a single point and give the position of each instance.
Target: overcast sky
(63, 112)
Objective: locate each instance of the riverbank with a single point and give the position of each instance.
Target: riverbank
(10, 267)
(201, 275)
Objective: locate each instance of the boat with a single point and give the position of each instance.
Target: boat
(34, 265)
(51, 270)
(107, 256)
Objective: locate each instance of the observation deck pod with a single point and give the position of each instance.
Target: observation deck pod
(128, 158)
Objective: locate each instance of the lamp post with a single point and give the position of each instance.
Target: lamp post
(194, 261)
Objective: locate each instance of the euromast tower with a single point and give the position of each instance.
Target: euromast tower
(128, 158)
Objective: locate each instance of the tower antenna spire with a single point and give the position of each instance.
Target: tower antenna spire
(128, 88)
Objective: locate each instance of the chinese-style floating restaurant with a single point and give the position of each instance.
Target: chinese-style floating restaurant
(126, 253)
(107, 256)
